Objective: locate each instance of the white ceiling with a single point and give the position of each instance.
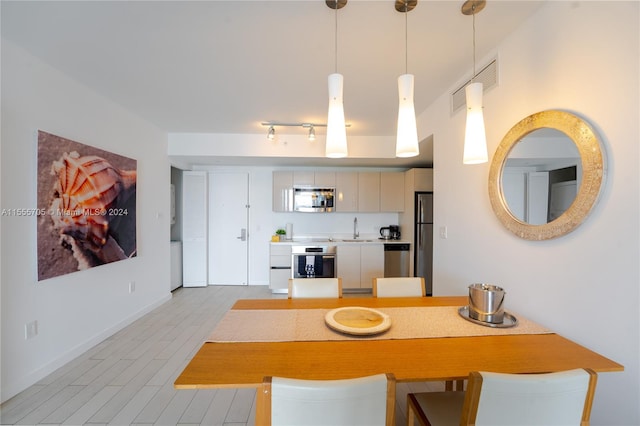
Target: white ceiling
(227, 66)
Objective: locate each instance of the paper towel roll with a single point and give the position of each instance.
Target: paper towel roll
(289, 230)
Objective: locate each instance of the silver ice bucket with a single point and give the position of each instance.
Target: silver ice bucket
(486, 303)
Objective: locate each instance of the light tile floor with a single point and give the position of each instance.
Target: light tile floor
(128, 378)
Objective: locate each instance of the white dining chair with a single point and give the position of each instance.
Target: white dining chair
(407, 287)
(363, 401)
(399, 287)
(494, 399)
(314, 287)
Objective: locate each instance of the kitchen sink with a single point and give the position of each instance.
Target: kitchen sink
(357, 241)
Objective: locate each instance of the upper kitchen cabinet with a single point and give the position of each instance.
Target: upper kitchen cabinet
(419, 180)
(369, 191)
(347, 191)
(282, 191)
(392, 192)
(317, 179)
(365, 192)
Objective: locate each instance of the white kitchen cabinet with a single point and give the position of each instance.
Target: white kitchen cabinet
(194, 229)
(423, 180)
(371, 264)
(282, 191)
(325, 179)
(369, 192)
(317, 179)
(280, 267)
(303, 178)
(358, 264)
(346, 191)
(348, 259)
(392, 192)
(366, 192)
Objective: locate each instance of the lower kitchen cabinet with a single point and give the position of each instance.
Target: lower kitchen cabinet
(371, 264)
(280, 267)
(358, 264)
(348, 259)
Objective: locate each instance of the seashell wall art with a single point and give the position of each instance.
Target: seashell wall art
(86, 206)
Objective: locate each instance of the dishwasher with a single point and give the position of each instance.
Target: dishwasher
(396, 260)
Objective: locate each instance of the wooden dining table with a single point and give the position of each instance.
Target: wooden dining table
(244, 364)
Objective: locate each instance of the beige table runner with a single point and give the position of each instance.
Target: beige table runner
(309, 325)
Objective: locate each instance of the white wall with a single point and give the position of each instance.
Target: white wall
(78, 310)
(581, 57)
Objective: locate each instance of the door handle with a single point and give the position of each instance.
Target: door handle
(243, 235)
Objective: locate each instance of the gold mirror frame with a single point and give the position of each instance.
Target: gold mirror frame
(593, 170)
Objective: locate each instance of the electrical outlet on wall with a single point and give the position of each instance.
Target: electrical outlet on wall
(30, 330)
(132, 286)
(443, 232)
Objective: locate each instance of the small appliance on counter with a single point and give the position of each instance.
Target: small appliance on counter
(391, 232)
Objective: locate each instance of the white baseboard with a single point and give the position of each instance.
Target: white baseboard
(9, 390)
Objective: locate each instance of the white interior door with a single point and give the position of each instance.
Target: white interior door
(228, 225)
(537, 197)
(561, 197)
(194, 229)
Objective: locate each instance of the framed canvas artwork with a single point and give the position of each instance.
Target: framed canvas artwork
(86, 205)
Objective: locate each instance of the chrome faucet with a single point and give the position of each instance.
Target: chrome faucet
(356, 234)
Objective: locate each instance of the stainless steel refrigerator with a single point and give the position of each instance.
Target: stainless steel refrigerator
(423, 262)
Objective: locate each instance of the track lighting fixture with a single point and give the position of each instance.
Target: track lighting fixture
(475, 139)
(311, 126)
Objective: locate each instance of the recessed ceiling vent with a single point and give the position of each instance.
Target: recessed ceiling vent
(488, 76)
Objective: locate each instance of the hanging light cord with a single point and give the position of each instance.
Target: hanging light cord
(336, 38)
(473, 11)
(406, 37)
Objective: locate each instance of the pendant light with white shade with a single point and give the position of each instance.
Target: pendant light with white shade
(407, 135)
(475, 139)
(336, 144)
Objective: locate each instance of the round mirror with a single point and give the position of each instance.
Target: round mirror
(546, 175)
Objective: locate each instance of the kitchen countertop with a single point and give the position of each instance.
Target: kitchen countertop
(340, 241)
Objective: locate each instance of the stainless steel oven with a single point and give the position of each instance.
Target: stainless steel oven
(313, 261)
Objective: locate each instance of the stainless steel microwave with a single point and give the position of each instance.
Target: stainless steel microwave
(307, 199)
